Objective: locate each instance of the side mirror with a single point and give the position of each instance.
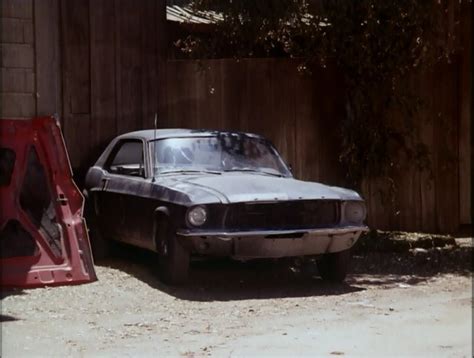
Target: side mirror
(291, 168)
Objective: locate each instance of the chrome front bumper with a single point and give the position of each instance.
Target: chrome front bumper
(272, 243)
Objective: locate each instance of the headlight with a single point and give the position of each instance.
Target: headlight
(355, 212)
(197, 215)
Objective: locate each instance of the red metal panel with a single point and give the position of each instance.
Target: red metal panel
(43, 235)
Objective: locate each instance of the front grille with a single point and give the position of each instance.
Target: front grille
(283, 215)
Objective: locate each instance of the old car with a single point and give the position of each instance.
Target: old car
(183, 193)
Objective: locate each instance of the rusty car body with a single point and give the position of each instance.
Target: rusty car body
(43, 235)
(182, 192)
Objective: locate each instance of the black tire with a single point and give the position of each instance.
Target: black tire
(309, 267)
(334, 266)
(173, 261)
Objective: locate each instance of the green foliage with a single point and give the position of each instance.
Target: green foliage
(247, 28)
(374, 43)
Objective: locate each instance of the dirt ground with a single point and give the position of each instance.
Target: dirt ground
(397, 305)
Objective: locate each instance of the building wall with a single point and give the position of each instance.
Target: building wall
(30, 58)
(18, 83)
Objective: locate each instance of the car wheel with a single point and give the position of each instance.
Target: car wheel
(173, 260)
(334, 266)
(101, 248)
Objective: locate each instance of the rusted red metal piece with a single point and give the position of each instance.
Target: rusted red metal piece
(43, 235)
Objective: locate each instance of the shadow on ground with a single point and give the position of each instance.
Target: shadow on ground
(6, 318)
(5, 292)
(225, 280)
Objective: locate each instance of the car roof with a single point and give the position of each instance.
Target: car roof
(151, 134)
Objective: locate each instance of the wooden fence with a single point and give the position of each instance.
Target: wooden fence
(266, 96)
(301, 115)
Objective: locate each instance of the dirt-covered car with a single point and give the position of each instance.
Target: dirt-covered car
(182, 192)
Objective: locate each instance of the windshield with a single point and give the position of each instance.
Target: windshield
(218, 153)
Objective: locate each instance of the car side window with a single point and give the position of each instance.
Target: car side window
(127, 159)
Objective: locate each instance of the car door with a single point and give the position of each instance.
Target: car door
(123, 179)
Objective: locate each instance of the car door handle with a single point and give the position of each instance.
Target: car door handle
(104, 181)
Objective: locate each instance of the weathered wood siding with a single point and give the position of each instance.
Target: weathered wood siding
(301, 115)
(101, 65)
(267, 96)
(95, 63)
(110, 71)
(466, 110)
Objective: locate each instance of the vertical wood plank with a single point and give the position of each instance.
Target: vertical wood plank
(246, 96)
(225, 117)
(162, 64)
(235, 79)
(330, 107)
(47, 55)
(282, 115)
(117, 64)
(76, 81)
(103, 81)
(406, 210)
(370, 202)
(446, 143)
(427, 132)
(465, 129)
(306, 142)
(129, 69)
(190, 89)
(407, 215)
(149, 60)
(177, 80)
(165, 93)
(215, 94)
(382, 207)
(258, 98)
(200, 95)
(76, 41)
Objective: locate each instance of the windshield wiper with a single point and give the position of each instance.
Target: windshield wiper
(253, 171)
(189, 171)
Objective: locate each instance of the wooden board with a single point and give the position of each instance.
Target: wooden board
(466, 113)
(427, 131)
(148, 53)
(103, 79)
(446, 147)
(130, 71)
(47, 58)
(76, 79)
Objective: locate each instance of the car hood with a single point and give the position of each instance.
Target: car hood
(237, 187)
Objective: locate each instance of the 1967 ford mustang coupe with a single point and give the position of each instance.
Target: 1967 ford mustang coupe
(183, 192)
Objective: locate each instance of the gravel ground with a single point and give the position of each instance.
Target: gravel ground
(400, 305)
